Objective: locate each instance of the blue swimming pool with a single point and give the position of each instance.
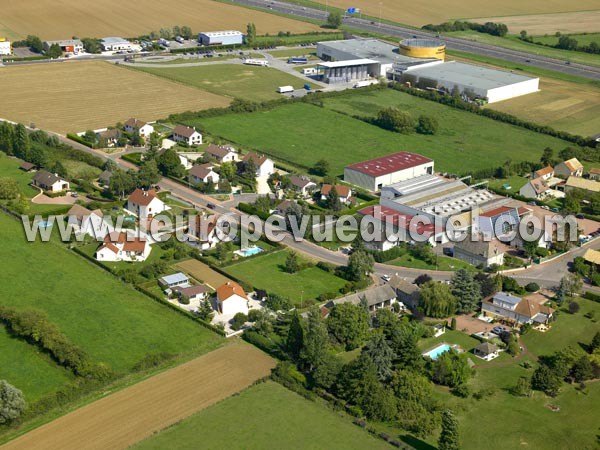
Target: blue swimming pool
(435, 352)
(45, 224)
(249, 251)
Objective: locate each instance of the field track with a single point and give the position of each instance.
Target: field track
(128, 416)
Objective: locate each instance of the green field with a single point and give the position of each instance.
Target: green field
(265, 416)
(267, 272)
(443, 263)
(582, 39)
(107, 318)
(231, 80)
(302, 133)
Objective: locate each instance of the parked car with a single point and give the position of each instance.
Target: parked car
(385, 278)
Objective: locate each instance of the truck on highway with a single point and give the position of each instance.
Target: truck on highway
(256, 62)
(297, 60)
(364, 83)
(285, 89)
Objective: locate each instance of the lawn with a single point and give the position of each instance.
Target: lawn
(74, 96)
(516, 182)
(443, 263)
(266, 416)
(267, 272)
(451, 337)
(26, 368)
(582, 39)
(302, 133)
(231, 80)
(107, 318)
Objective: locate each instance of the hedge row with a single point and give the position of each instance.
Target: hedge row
(80, 140)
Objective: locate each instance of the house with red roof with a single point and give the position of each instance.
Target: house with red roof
(376, 173)
(231, 299)
(344, 192)
(121, 246)
(145, 204)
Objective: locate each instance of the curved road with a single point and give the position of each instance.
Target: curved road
(523, 58)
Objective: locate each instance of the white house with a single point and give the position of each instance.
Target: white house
(120, 246)
(145, 204)
(344, 192)
(140, 127)
(530, 309)
(486, 351)
(480, 252)
(192, 293)
(203, 173)
(569, 168)
(112, 44)
(545, 173)
(49, 182)
(188, 135)
(264, 166)
(203, 230)
(85, 221)
(5, 47)
(222, 153)
(231, 299)
(536, 189)
(302, 185)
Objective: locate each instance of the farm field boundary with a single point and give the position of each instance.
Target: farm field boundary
(128, 416)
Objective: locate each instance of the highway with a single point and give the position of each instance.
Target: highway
(524, 59)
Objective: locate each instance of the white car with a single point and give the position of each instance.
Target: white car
(385, 278)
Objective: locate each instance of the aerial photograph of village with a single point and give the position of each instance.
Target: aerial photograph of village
(300, 224)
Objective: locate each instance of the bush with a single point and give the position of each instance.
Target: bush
(254, 315)
(573, 307)
(462, 390)
(532, 287)
(238, 321)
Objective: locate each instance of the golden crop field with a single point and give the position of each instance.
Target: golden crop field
(437, 11)
(539, 24)
(75, 96)
(61, 19)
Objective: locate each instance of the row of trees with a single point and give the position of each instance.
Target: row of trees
(495, 29)
(565, 42)
(401, 121)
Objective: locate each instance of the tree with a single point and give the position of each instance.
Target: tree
(251, 34)
(54, 51)
(12, 403)
(334, 19)
(22, 144)
(295, 336)
(547, 157)
(186, 32)
(449, 436)
(382, 356)
(205, 312)
(148, 174)
(466, 290)
(522, 388)
(165, 33)
(572, 201)
(322, 167)
(227, 170)
(292, 262)
(404, 338)
(59, 169)
(326, 373)
(595, 344)
(530, 247)
(34, 43)
(121, 183)
(545, 380)
(451, 369)
(582, 369)
(315, 340)
(348, 324)
(170, 165)
(417, 408)
(437, 300)
(573, 307)
(422, 279)
(92, 45)
(333, 199)
(263, 324)
(9, 189)
(427, 125)
(238, 321)
(395, 120)
(360, 265)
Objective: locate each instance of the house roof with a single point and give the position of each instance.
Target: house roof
(530, 308)
(174, 278)
(80, 212)
(257, 159)
(46, 178)
(524, 210)
(390, 163)
(201, 171)
(539, 185)
(142, 197)
(27, 166)
(137, 245)
(184, 131)
(113, 248)
(134, 123)
(401, 220)
(497, 211)
(374, 296)
(505, 297)
(228, 290)
(583, 183)
(485, 249)
(220, 151)
(112, 133)
(300, 181)
(342, 190)
(190, 291)
(592, 256)
(115, 237)
(595, 171)
(573, 164)
(544, 171)
(403, 285)
(486, 348)
(284, 205)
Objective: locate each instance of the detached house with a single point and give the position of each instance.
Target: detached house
(145, 204)
(303, 185)
(517, 310)
(85, 221)
(546, 173)
(192, 293)
(222, 153)
(139, 127)
(120, 246)
(536, 189)
(188, 135)
(110, 137)
(406, 291)
(231, 299)
(264, 166)
(569, 168)
(480, 252)
(344, 192)
(50, 182)
(204, 231)
(203, 173)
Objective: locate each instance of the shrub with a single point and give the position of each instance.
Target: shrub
(573, 307)
(12, 403)
(254, 315)
(462, 390)
(238, 321)
(532, 287)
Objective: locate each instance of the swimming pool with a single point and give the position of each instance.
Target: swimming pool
(254, 250)
(45, 224)
(435, 352)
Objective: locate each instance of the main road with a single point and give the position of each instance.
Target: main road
(452, 43)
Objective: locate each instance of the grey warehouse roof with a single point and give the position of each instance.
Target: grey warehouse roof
(172, 279)
(372, 49)
(468, 75)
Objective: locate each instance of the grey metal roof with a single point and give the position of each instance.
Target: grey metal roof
(468, 75)
(173, 279)
(505, 297)
(112, 40)
(374, 296)
(372, 49)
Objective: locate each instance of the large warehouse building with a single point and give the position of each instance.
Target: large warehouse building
(347, 71)
(230, 37)
(420, 63)
(379, 172)
(66, 45)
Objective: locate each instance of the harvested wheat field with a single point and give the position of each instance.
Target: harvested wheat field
(128, 416)
(61, 19)
(438, 11)
(202, 272)
(75, 96)
(539, 24)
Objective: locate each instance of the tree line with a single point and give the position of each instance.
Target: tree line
(495, 29)
(565, 42)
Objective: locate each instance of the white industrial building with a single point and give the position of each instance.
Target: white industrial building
(112, 44)
(230, 37)
(379, 172)
(348, 71)
(5, 47)
(474, 81)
